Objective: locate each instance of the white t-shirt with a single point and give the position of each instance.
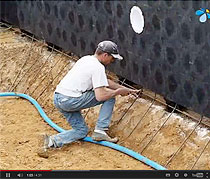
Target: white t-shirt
(87, 73)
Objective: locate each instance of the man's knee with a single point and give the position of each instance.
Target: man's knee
(83, 131)
(112, 100)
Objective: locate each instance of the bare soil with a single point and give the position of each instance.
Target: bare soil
(31, 68)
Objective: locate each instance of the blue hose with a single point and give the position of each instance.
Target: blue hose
(87, 139)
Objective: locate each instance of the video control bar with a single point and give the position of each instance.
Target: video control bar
(106, 174)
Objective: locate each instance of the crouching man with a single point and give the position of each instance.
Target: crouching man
(86, 85)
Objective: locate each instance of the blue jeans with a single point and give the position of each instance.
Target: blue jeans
(70, 107)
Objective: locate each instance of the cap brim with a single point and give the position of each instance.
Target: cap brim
(117, 56)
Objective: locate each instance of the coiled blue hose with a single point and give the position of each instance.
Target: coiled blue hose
(87, 139)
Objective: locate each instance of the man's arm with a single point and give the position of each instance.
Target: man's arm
(114, 85)
(104, 93)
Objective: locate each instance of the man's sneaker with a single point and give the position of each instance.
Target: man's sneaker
(100, 137)
(43, 146)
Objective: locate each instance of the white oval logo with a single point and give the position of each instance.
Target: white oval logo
(137, 19)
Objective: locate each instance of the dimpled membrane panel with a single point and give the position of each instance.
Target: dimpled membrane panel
(171, 56)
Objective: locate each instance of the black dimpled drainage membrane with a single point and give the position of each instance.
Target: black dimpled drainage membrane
(171, 56)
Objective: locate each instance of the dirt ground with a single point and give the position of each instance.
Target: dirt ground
(19, 130)
(32, 69)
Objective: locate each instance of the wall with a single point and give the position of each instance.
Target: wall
(171, 56)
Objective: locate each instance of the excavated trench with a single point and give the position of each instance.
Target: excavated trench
(174, 140)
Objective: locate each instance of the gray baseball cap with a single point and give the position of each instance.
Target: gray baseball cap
(111, 48)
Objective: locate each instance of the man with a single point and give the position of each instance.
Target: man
(86, 85)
